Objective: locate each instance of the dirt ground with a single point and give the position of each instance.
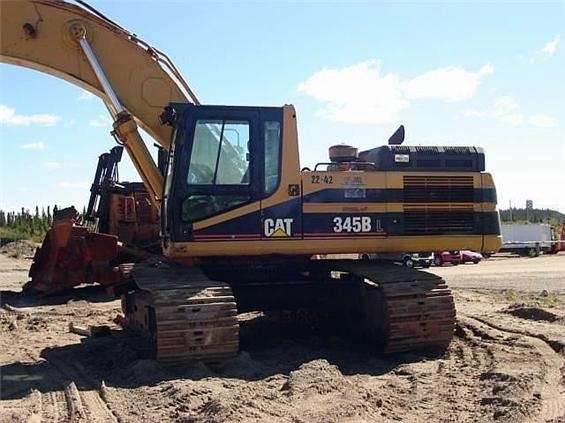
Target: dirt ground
(506, 363)
(509, 272)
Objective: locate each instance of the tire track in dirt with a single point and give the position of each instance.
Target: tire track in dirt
(458, 380)
(556, 345)
(36, 407)
(86, 404)
(67, 405)
(549, 389)
(55, 408)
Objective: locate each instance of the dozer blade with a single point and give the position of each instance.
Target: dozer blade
(71, 255)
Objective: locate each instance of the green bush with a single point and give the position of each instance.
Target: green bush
(25, 225)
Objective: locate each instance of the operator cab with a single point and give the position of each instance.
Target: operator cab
(222, 158)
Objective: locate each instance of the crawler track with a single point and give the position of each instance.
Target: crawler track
(417, 317)
(405, 309)
(182, 314)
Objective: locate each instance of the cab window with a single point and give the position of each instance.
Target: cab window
(220, 153)
(272, 140)
(219, 158)
(198, 207)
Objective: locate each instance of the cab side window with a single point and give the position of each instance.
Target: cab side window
(272, 147)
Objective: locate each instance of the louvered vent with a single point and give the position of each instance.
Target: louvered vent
(427, 149)
(430, 189)
(439, 220)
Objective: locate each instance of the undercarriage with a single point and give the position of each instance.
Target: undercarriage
(184, 315)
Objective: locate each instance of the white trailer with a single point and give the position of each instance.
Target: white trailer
(526, 238)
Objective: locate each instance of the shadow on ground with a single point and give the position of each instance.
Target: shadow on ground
(90, 293)
(269, 346)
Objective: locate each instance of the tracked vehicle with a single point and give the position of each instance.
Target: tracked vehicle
(242, 226)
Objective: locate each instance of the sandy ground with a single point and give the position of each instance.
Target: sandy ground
(508, 272)
(506, 363)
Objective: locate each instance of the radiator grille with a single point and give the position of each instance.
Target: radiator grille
(429, 189)
(439, 221)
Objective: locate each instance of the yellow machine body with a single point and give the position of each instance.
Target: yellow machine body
(343, 209)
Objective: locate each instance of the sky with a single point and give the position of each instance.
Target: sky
(489, 74)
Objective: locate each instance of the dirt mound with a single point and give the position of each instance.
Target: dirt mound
(316, 391)
(20, 249)
(531, 313)
(315, 377)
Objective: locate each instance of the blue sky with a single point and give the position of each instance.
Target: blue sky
(486, 74)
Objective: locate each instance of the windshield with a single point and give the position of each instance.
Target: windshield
(220, 153)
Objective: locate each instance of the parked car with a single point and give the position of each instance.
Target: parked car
(470, 257)
(417, 260)
(406, 259)
(441, 257)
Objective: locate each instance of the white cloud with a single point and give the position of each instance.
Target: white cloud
(448, 84)
(543, 121)
(72, 185)
(100, 121)
(33, 146)
(85, 96)
(361, 93)
(51, 166)
(551, 47)
(504, 109)
(507, 110)
(8, 116)
(357, 93)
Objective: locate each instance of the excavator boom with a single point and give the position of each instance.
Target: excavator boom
(82, 46)
(37, 34)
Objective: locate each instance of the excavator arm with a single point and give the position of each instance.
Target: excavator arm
(81, 46)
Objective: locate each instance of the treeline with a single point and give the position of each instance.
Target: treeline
(552, 217)
(26, 224)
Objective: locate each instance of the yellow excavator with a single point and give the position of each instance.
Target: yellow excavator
(241, 226)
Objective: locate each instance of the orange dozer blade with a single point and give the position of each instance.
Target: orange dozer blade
(71, 255)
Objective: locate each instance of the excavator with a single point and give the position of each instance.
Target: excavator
(227, 221)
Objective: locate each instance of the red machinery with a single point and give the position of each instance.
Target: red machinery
(125, 228)
(559, 239)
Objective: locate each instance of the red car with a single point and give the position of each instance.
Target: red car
(470, 257)
(441, 257)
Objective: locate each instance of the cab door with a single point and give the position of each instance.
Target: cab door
(217, 176)
(281, 206)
